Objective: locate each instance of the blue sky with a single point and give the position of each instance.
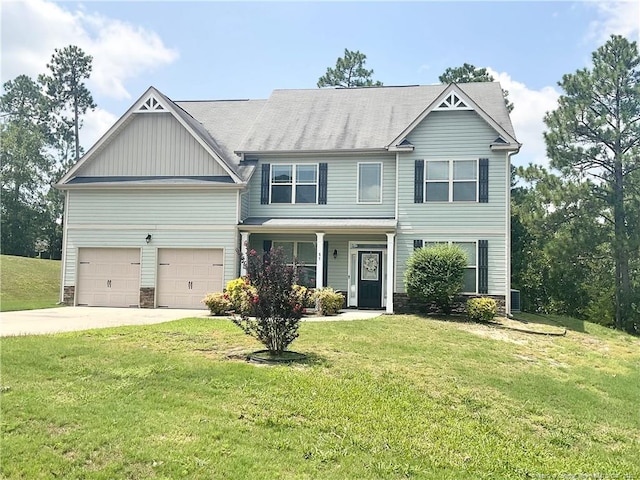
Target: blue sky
(216, 50)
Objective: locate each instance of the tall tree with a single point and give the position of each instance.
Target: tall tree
(468, 73)
(25, 164)
(595, 133)
(349, 72)
(64, 85)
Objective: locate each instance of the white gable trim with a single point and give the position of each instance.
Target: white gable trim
(469, 104)
(151, 105)
(165, 107)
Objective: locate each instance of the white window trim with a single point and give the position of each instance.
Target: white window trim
(358, 183)
(451, 242)
(293, 182)
(450, 181)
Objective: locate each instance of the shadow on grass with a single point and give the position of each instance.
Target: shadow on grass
(569, 323)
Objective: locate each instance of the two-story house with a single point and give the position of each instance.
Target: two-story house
(347, 181)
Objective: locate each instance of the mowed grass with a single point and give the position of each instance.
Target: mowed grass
(28, 283)
(393, 397)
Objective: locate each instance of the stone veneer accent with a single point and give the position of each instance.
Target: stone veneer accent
(147, 297)
(402, 304)
(68, 295)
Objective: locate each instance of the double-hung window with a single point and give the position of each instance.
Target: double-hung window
(291, 183)
(451, 181)
(370, 182)
(302, 257)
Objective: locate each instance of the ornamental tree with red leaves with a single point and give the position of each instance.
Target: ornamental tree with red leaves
(276, 306)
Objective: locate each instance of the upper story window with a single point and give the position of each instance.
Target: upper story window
(451, 181)
(370, 182)
(291, 183)
(294, 183)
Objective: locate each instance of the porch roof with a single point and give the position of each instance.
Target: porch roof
(342, 225)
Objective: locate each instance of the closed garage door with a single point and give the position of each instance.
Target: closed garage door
(185, 276)
(108, 277)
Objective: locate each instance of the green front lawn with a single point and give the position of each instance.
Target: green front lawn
(393, 397)
(28, 283)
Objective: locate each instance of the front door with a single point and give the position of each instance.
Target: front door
(370, 279)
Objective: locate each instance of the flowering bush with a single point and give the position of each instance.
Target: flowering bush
(240, 292)
(218, 303)
(481, 309)
(328, 301)
(275, 301)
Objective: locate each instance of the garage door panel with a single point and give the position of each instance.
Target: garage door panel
(108, 277)
(185, 276)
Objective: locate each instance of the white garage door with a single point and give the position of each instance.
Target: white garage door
(108, 277)
(185, 276)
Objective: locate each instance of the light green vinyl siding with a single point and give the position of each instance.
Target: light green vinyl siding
(161, 238)
(342, 189)
(457, 135)
(152, 144)
(152, 207)
(447, 136)
(244, 205)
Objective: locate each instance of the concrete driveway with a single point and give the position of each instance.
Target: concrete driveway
(69, 319)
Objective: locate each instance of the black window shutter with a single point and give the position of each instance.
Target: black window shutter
(325, 263)
(483, 266)
(264, 193)
(322, 184)
(483, 180)
(417, 244)
(266, 248)
(418, 182)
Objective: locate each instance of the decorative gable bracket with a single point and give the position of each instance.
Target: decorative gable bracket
(151, 105)
(453, 102)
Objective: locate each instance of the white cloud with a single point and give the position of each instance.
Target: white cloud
(530, 107)
(617, 17)
(95, 124)
(120, 50)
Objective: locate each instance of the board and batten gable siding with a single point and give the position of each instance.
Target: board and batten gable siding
(458, 135)
(161, 238)
(152, 144)
(152, 207)
(342, 189)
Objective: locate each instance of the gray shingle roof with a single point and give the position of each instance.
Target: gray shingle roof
(226, 123)
(358, 118)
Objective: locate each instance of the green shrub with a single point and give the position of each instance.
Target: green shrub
(304, 296)
(481, 309)
(218, 303)
(436, 275)
(328, 301)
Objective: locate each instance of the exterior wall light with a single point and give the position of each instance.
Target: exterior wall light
(335, 254)
(148, 239)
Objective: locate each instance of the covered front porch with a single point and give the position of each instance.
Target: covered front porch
(353, 256)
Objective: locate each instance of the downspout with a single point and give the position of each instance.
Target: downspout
(63, 258)
(507, 299)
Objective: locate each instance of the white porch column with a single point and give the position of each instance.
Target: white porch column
(319, 259)
(390, 257)
(244, 249)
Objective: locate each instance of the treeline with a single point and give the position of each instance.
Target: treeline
(41, 120)
(576, 230)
